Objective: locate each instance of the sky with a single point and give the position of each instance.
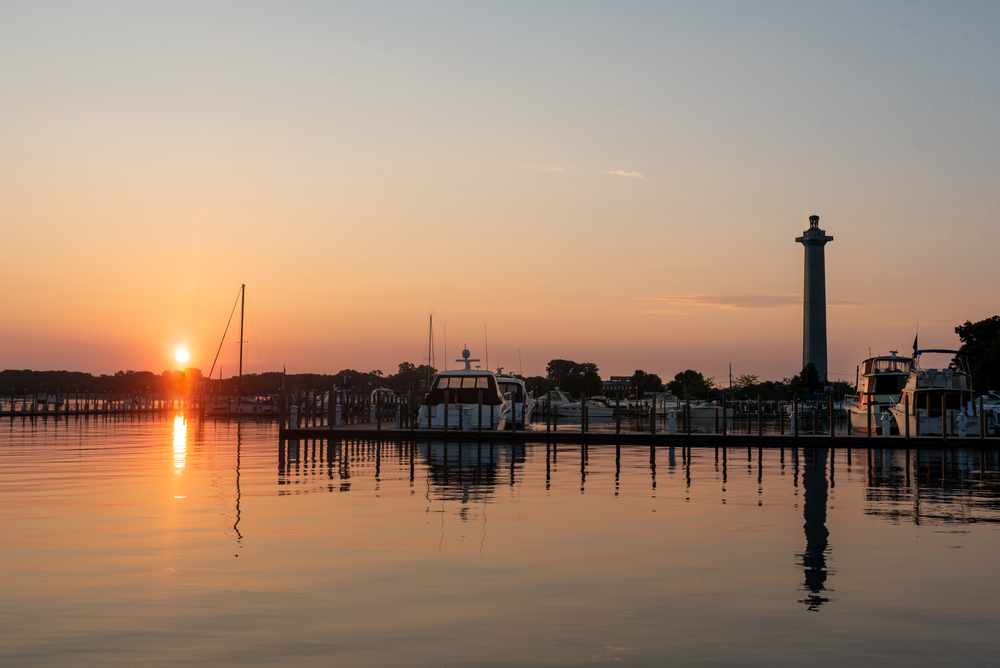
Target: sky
(618, 183)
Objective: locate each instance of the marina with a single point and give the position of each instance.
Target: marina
(557, 335)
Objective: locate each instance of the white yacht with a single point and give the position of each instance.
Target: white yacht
(596, 407)
(453, 401)
(920, 401)
(524, 403)
(554, 399)
(708, 409)
(882, 380)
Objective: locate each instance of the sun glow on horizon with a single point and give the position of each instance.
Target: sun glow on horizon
(182, 355)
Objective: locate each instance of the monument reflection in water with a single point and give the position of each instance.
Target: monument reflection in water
(815, 486)
(165, 542)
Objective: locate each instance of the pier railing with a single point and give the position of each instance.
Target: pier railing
(88, 403)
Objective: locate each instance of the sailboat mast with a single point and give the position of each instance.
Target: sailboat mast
(430, 353)
(243, 295)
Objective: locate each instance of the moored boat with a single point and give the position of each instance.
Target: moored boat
(933, 400)
(881, 382)
(523, 402)
(464, 399)
(596, 408)
(554, 399)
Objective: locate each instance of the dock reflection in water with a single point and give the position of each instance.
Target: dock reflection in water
(166, 542)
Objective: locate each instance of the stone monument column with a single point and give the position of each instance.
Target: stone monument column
(814, 297)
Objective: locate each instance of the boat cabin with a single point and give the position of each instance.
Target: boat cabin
(884, 375)
(464, 387)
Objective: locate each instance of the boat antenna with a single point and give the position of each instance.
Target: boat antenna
(229, 322)
(445, 346)
(520, 367)
(243, 294)
(486, 340)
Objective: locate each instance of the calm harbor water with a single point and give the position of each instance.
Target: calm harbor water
(170, 541)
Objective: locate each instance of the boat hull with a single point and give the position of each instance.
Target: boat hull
(463, 417)
(859, 418)
(922, 425)
(574, 410)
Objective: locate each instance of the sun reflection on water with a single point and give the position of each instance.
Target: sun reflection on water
(180, 443)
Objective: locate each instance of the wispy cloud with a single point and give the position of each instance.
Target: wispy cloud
(745, 302)
(545, 168)
(621, 172)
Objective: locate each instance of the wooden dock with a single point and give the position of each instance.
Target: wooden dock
(388, 431)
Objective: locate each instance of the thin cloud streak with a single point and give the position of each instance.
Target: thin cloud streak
(746, 302)
(621, 172)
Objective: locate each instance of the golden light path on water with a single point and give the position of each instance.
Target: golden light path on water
(180, 444)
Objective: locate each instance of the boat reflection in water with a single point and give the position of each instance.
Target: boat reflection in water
(469, 472)
(899, 486)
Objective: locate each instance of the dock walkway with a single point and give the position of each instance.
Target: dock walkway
(389, 432)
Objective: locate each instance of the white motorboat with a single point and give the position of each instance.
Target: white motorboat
(523, 402)
(927, 393)
(596, 408)
(882, 380)
(707, 409)
(465, 399)
(668, 401)
(554, 399)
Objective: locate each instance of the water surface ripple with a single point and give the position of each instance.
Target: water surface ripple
(171, 541)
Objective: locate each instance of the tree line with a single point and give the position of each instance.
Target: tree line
(979, 354)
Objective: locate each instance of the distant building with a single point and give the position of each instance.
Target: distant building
(617, 384)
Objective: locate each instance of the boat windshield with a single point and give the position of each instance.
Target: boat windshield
(464, 390)
(888, 365)
(467, 382)
(889, 384)
(516, 388)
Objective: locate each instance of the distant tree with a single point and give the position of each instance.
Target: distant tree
(981, 347)
(746, 386)
(572, 385)
(842, 388)
(539, 385)
(646, 382)
(692, 384)
(592, 384)
(410, 377)
(806, 382)
(575, 378)
(557, 369)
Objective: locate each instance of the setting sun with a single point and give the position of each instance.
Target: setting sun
(182, 355)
